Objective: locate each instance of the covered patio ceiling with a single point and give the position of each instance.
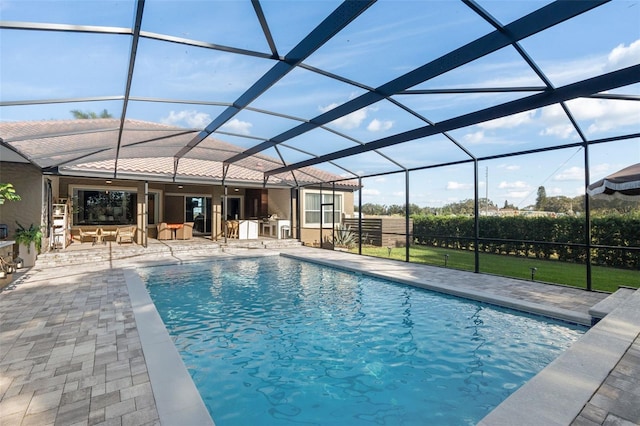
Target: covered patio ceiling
(296, 93)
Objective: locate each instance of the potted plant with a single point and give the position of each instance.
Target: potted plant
(29, 242)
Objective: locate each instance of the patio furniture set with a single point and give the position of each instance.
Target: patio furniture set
(175, 231)
(120, 234)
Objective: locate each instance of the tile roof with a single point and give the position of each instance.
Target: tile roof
(147, 151)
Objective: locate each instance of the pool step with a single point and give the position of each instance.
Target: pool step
(112, 251)
(604, 307)
(87, 253)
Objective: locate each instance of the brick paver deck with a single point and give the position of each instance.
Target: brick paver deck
(71, 354)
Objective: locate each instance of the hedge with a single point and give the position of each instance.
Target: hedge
(561, 238)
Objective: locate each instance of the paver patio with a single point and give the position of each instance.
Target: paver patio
(71, 353)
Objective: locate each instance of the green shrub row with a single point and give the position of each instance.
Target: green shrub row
(561, 238)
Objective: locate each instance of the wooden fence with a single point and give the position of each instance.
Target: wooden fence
(381, 231)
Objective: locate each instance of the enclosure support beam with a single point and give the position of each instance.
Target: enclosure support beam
(587, 215)
(476, 219)
(407, 237)
(585, 88)
(359, 215)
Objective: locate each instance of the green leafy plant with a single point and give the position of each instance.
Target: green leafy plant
(8, 193)
(344, 237)
(26, 236)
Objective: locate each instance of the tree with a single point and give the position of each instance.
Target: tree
(80, 115)
(373, 209)
(8, 193)
(541, 200)
(464, 207)
(559, 204)
(395, 209)
(509, 206)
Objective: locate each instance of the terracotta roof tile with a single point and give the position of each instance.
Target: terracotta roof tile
(146, 150)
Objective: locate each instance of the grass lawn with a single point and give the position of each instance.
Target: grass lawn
(551, 271)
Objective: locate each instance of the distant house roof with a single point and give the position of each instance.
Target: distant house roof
(90, 148)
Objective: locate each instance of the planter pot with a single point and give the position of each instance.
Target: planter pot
(6, 280)
(28, 255)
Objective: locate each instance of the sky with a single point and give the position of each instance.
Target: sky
(386, 41)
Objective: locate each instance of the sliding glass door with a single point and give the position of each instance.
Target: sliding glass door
(198, 211)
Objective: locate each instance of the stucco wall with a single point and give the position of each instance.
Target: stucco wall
(310, 235)
(27, 180)
(279, 203)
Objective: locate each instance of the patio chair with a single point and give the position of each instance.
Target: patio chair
(126, 234)
(186, 232)
(233, 227)
(164, 233)
(7, 265)
(108, 232)
(91, 235)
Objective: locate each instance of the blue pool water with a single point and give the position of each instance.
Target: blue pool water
(276, 341)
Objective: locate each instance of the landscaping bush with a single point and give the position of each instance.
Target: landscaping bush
(559, 238)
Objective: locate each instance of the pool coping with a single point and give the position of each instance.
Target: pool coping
(178, 401)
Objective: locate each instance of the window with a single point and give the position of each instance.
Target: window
(314, 205)
(104, 207)
(153, 208)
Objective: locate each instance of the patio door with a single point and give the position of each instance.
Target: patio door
(198, 211)
(234, 209)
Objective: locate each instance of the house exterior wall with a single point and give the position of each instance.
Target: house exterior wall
(311, 235)
(279, 203)
(28, 183)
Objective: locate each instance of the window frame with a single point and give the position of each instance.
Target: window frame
(100, 188)
(338, 213)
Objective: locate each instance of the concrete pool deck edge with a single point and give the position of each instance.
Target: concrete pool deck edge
(177, 398)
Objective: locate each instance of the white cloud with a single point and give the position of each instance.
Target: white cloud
(475, 137)
(370, 191)
(598, 171)
(616, 115)
(600, 114)
(517, 194)
(349, 121)
(570, 71)
(237, 126)
(563, 131)
(516, 184)
(557, 123)
(187, 118)
(377, 125)
(553, 191)
(510, 121)
(622, 56)
(458, 185)
(600, 168)
(509, 167)
(572, 173)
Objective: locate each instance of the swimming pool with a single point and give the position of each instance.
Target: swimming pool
(276, 341)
